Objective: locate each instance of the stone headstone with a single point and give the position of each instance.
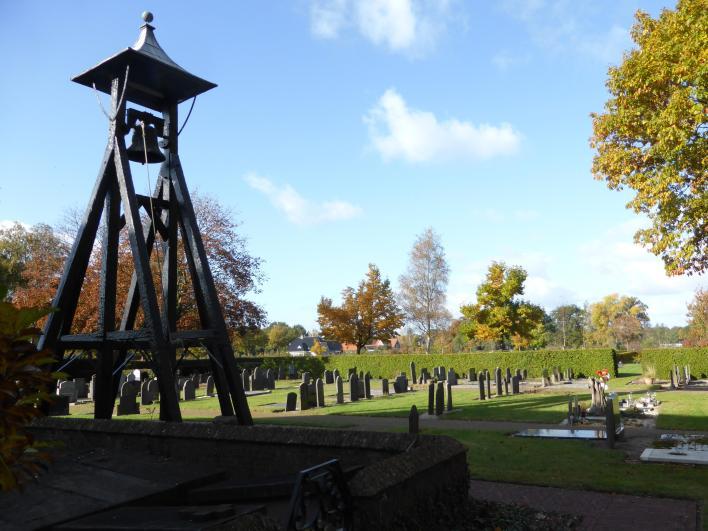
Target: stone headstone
(92, 388)
(306, 378)
(498, 380)
(673, 379)
(400, 384)
(515, 384)
(204, 377)
(452, 377)
(154, 389)
(525, 374)
(59, 406)
(81, 387)
(291, 402)
(413, 373)
(329, 377)
(259, 381)
(319, 385)
(449, 396)
(304, 396)
(546, 381)
(246, 380)
(210, 386)
(252, 381)
(335, 374)
(131, 377)
(353, 387)
(281, 373)
(506, 386)
(436, 373)
(361, 376)
(440, 398)
(362, 391)
(127, 404)
(188, 391)
(67, 388)
(367, 386)
(472, 375)
(431, 398)
(292, 371)
(488, 383)
(442, 372)
(270, 379)
(481, 386)
(340, 389)
(350, 371)
(518, 374)
(508, 374)
(384, 387)
(196, 378)
(146, 397)
(413, 420)
(426, 376)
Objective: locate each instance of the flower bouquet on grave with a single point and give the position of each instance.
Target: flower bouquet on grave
(598, 390)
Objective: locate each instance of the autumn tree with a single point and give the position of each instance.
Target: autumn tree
(367, 313)
(652, 135)
(618, 321)
(423, 287)
(568, 326)
(43, 252)
(498, 315)
(697, 335)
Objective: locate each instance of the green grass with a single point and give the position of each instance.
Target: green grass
(576, 464)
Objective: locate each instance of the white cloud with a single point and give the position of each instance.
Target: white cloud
(296, 208)
(409, 26)
(397, 131)
(8, 224)
(504, 60)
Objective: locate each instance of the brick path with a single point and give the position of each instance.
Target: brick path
(600, 511)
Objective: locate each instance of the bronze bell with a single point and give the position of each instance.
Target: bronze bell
(136, 151)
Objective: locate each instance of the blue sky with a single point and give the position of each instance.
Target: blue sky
(341, 129)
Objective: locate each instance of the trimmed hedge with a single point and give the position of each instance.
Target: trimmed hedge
(663, 360)
(583, 362)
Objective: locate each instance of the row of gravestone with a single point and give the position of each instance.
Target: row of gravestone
(680, 376)
(501, 382)
(259, 379)
(556, 376)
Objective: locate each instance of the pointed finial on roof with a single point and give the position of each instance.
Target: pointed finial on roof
(147, 16)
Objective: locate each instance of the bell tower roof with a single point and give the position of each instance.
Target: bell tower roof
(154, 79)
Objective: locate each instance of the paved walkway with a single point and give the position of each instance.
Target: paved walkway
(600, 511)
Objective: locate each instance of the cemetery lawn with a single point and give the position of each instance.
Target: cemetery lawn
(496, 456)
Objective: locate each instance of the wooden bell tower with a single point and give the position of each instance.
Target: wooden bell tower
(145, 75)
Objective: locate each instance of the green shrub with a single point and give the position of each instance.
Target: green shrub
(583, 362)
(663, 360)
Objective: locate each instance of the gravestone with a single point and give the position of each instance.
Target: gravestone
(67, 388)
(400, 384)
(92, 388)
(413, 373)
(196, 378)
(452, 377)
(525, 374)
(361, 376)
(442, 372)
(367, 386)
(281, 374)
(188, 391)
(518, 374)
(210, 386)
(258, 382)
(673, 380)
(440, 398)
(340, 389)
(335, 374)
(384, 387)
(291, 402)
(58, 406)
(292, 372)
(472, 375)
(154, 389)
(204, 377)
(686, 371)
(481, 386)
(353, 387)
(545, 380)
(131, 377)
(498, 380)
(515, 384)
(127, 404)
(436, 373)
(413, 420)
(304, 398)
(449, 396)
(425, 375)
(319, 384)
(270, 379)
(508, 373)
(420, 380)
(431, 398)
(329, 377)
(306, 378)
(351, 371)
(506, 386)
(122, 380)
(246, 380)
(252, 381)
(81, 387)
(362, 391)
(146, 397)
(488, 383)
